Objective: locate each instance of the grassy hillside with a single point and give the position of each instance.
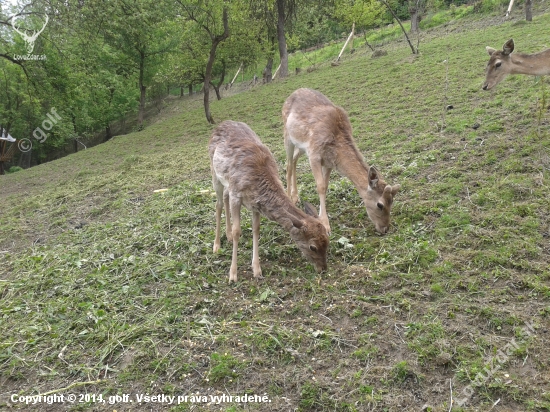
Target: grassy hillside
(112, 288)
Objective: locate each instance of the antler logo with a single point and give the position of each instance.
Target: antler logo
(23, 32)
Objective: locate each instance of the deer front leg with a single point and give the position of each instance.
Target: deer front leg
(236, 234)
(321, 175)
(218, 187)
(291, 188)
(295, 157)
(255, 245)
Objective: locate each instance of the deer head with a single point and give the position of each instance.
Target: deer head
(379, 200)
(499, 64)
(28, 39)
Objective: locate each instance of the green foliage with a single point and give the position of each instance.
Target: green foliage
(445, 16)
(400, 372)
(315, 25)
(14, 169)
(365, 14)
(223, 367)
(491, 6)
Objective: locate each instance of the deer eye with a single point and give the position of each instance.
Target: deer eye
(498, 65)
(380, 205)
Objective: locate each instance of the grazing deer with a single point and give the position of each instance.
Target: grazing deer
(315, 126)
(244, 172)
(503, 63)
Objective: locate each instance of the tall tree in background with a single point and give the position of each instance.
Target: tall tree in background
(277, 16)
(416, 9)
(143, 32)
(364, 13)
(285, 9)
(529, 10)
(208, 17)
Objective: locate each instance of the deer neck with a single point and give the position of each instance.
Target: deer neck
(274, 204)
(536, 64)
(352, 165)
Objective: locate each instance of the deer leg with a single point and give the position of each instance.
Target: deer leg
(319, 173)
(295, 157)
(255, 244)
(236, 234)
(219, 189)
(291, 189)
(228, 228)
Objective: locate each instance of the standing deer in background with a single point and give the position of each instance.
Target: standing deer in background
(315, 126)
(244, 172)
(503, 63)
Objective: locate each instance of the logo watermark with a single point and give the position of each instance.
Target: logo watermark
(39, 134)
(24, 145)
(29, 39)
(494, 364)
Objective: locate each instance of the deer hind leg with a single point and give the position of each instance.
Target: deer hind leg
(321, 175)
(228, 228)
(235, 204)
(219, 189)
(255, 244)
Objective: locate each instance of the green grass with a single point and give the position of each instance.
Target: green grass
(101, 279)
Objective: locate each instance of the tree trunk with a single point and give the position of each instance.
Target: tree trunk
(73, 120)
(283, 53)
(414, 19)
(208, 73)
(217, 90)
(181, 91)
(142, 88)
(529, 10)
(2, 146)
(190, 89)
(267, 75)
(108, 134)
(385, 3)
(220, 83)
(141, 105)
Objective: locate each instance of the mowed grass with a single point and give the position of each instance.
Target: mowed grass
(113, 287)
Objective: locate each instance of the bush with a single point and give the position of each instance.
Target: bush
(14, 169)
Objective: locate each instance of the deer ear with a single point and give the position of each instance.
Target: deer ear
(490, 50)
(373, 177)
(297, 223)
(508, 47)
(310, 209)
(395, 189)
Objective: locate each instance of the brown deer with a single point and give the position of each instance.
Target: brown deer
(244, 172)
(503, 63)
(315, 126)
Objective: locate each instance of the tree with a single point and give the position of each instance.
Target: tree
(285, 8)
(529, 10)
(143, 32)
(277, 15)
(416, 8)
(206, 16)
(414, 51)
(364, 13)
